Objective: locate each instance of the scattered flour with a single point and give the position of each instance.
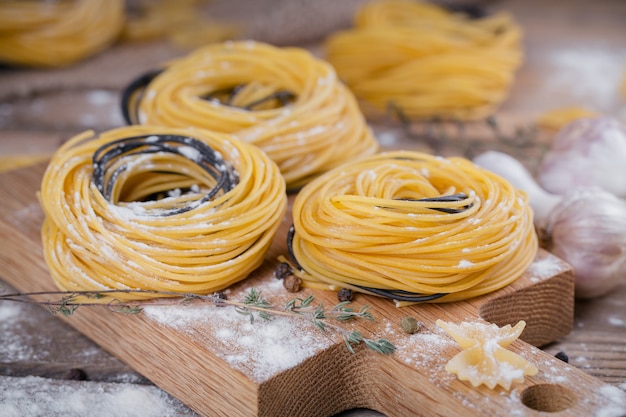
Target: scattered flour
(590, 74)
(40, 397)
(427, 351)
(617, 321)
(101, 97)
(260, 349)
(544, 268)
(616, 402)
(15, 344)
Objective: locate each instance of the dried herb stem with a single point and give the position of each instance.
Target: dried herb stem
(252, 303)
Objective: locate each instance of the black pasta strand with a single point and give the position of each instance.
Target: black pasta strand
(208, 159)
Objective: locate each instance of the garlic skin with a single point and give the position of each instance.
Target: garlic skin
(586, 227)
(588, 231)
(586, 152)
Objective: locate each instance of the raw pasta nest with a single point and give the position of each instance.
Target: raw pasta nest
(57, 33)
(412, 227)
(282, 100)
(158, 209)
(425, 61)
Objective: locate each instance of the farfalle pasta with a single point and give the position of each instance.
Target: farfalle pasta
(484, 359)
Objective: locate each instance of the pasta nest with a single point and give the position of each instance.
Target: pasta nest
(158, 209)
(412, 227)
(425, 61)
(282, 100)
(57, 33)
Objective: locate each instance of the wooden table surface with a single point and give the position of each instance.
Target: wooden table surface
(575, 55)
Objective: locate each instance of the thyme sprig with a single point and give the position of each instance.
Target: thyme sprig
(340, 312)
(252, 305)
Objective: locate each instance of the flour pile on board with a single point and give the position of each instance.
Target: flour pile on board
(40, 397)
(260, 349)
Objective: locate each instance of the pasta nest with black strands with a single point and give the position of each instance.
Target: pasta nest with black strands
(411, 227)
(283, 100)
(158, 209)
(57, 33)
(425, 61)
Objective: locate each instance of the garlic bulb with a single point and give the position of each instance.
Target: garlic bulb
(586, 227)
(588, 231)
(586, 152)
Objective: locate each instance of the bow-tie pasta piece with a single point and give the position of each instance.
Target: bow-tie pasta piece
(484, 358)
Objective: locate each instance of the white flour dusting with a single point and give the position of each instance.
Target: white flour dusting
(544, 268)
(591, 75)
(40, 397)
(16, 345)
(426, 351)
(616, 402)
(260, 349)
(617, 321)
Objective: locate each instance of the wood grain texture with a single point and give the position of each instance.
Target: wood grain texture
(191, 362)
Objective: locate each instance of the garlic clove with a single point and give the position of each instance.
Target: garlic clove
(588, 231)
(586, 227)
(513, 171)
(586, 152)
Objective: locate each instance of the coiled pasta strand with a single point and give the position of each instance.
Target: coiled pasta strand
(57, 33)
(412, 227)
(159, 209)
(282, 100)
(426, 61)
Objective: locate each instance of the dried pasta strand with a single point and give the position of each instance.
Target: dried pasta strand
(558, 118)
(282, 100)
(392, 222)
(426, 61)
(212, 226)
(57, 33)
(180, 21)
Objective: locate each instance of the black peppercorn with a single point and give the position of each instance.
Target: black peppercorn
(344, 294)
(219, 295)
(76, 374)
(292, 283)
(562, 356)
(283, 270)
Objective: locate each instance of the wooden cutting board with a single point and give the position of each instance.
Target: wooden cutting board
(219, 364)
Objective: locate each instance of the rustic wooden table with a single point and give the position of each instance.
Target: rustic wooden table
(575, 55)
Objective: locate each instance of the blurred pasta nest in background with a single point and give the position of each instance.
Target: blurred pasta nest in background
(426, 61)
(57, 33)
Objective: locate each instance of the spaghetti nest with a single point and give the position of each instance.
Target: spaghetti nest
(425, 61)
(282, 100)
(159, 209)
(412, 227)
(57, 33)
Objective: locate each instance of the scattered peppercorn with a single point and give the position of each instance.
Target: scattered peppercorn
(219, 295)
(344, 294)
(562, 356)
(76, 374)
(283, 270)
(292, 283)
(410, 325)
